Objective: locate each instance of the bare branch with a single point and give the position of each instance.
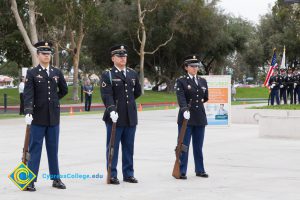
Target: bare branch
(138, 35)
(133, 44)
(151, 10)
(161, 45)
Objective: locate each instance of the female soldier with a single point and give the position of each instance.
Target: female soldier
(191, 87)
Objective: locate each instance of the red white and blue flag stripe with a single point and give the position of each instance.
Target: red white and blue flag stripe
(271, 69)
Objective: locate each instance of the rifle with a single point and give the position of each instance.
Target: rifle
(111, 149)
(269, 98)
(180, 146)
(26, 155)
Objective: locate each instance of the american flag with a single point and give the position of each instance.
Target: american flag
(271, 69)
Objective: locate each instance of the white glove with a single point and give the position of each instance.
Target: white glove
(295, 84)
(186, 115)
(114, 116)
(28, 119)
(281, 86)
(273, 85)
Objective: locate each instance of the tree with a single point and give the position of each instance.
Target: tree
(32, 27)
(142, 40)
(279, 28)
(80, 16)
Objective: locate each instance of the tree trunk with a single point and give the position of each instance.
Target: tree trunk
(142, 58)
(56, 55)
(32, 22)
(76, 52)
(24, 33)
(142, 53)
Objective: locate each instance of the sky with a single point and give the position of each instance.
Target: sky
(247, 9)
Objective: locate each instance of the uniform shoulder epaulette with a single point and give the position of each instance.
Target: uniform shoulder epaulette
(130, 68)
(106, 70)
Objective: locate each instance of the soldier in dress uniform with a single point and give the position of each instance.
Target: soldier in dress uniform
(44, 86)
(296, 78)
(120, 88)
(283, 85)
(192, 87)
(289, 80)
(274, 84)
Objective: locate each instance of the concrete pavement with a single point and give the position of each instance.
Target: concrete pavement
(241, 165)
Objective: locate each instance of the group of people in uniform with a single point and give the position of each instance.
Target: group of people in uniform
(285, 85)
(120, 87)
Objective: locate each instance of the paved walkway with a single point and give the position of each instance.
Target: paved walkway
(241, 165)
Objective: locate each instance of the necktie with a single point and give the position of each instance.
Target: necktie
(123, 72)
(195, 80)
(46, 71)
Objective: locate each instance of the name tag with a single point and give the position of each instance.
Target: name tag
(39, 76)
(56, 78)
(116, 79)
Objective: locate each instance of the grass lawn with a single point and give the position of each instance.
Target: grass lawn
(278, 107)
(12, 96)
(244, 102)
(260, 92)
(10, 116)
(15, 115)
(148, 97)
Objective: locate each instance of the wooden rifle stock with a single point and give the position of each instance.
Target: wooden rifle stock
(26, 155)
(111, 149)
(180, 146)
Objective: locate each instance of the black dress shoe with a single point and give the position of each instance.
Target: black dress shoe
(58, 184)
(202, 174)
(183, 176)
(114, 181)
(130, 179)
(30, 187)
